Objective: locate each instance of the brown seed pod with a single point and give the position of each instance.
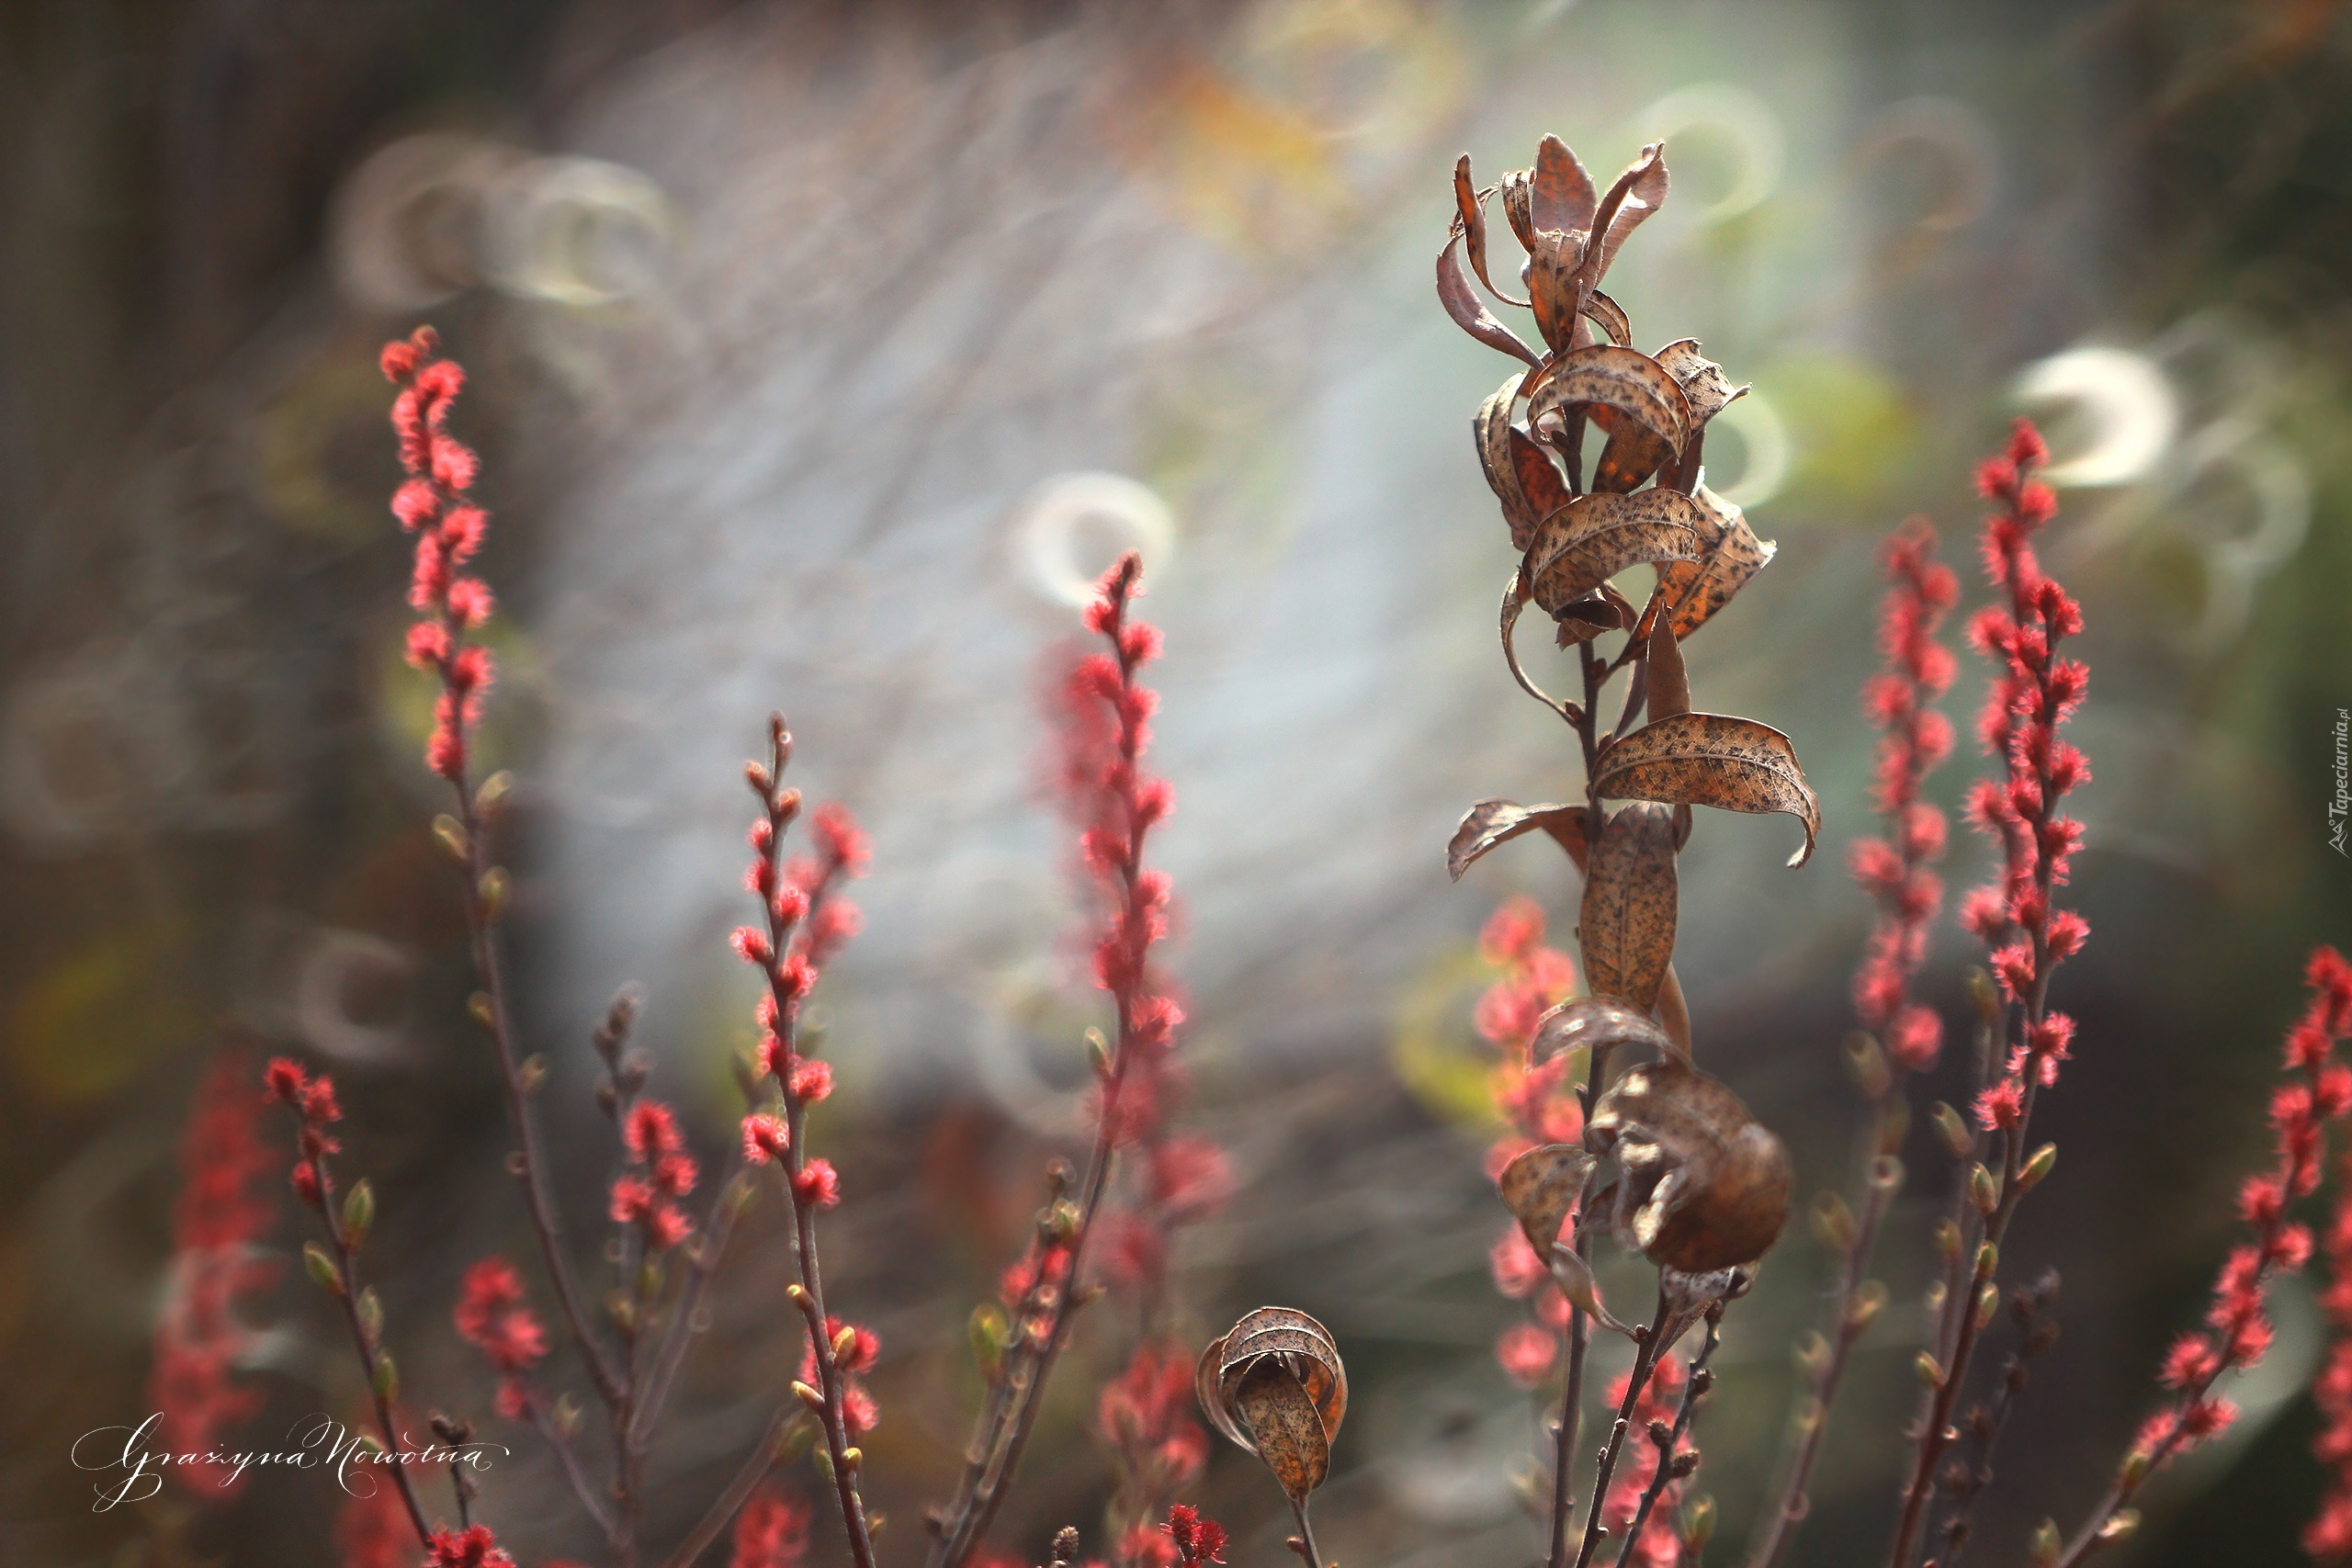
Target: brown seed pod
(1275, 1386)
(1702, 1186)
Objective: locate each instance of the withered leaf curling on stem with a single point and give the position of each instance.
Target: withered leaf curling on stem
(1274, 1384)
(1240, 1378)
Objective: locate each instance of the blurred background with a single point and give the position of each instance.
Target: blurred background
(819, 354)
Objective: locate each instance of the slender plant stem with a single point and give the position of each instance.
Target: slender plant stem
(2031, 1309)
(2298, 1175)
(611, 1383)
(545, 1220)
(347, 1275)
(2021, 1029)
(1307, 1547)
(670, 1354)
(1636, 1380)
(1692, 1391)
(754, 1469)
(1564, 1443)
(2127, 1484)
(1579, 1349)
(1000, 1445)
(810, 1297)
(569, 1458)
(1844, 1329)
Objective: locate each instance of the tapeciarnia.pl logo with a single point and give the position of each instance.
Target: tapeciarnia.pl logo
(2336, 806)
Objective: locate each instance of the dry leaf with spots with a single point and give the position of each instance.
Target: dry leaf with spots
(1621, 391)
(1541, 1187)
(1669, 694)
(1711, 759)
(1605, 313)
(1729, 554)
(1270, 1402)
(1254, 1381)
(1470, 312)
(1704, 385)
(1589, 615)
(1594, 538)
(1638, 192)
(1627, 923)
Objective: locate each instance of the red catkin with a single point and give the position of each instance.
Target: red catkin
(1915, 670)
(222, 1217)
(433, 505)
(2033, 693)
(1539, 1107)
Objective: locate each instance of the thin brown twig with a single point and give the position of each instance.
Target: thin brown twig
(1306, 1542)
(754, 1469)
(2030, 1310)
(1964, 1323)
(545, 1220)
(1846, 1323)
(363, 1340)
(1644, 1361)
(1694, 1390)
(543, 1421)
(702, 1263)
(1579, 1349)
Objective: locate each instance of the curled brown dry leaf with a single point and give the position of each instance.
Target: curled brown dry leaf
(1492, 822)
(1610, 317)
(1244, 1380)
(1470, 312)
(1596, 1024)
(1540, 1187)
(1701, 1185)
(1670, 697)
(1704, 385)
(1594, 538)
(1729, 554)
(1712, 758)
(1285, 1429)
(1624, 391)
